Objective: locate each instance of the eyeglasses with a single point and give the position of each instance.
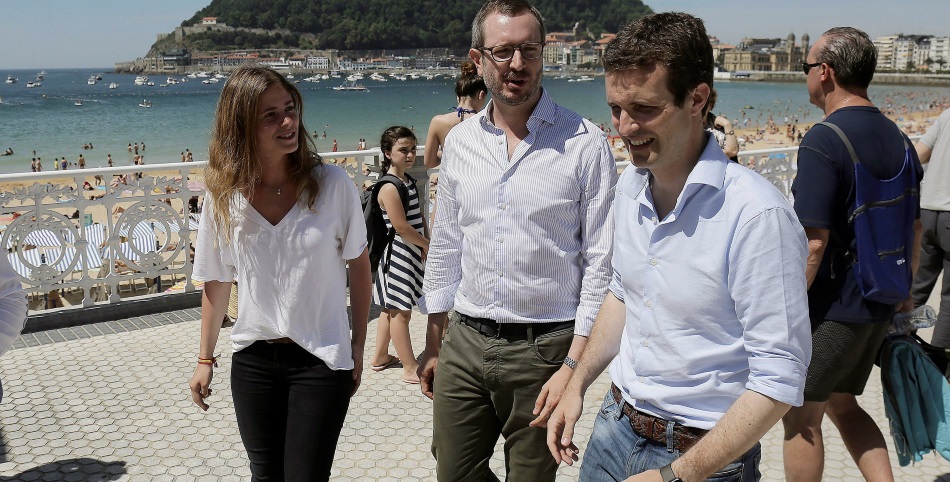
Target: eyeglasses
(504, 53)
(806, 66)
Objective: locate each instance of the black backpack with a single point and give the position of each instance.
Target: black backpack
(378, 236)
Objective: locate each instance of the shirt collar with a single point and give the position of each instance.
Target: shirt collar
(545, 111)
(709, 170)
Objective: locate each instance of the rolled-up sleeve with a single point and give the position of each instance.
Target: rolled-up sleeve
(767, 283)
(597, 229)
(443, 271)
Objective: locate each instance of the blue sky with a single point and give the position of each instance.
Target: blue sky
(47, 34)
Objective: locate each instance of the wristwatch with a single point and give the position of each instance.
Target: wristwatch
(731, 133)
(570, 362)
(667, 473)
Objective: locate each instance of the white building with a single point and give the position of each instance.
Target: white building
(318, 63)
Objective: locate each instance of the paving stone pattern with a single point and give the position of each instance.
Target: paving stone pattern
(109, 402)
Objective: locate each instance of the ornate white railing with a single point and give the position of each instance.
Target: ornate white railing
(133, 231)
(137, 229)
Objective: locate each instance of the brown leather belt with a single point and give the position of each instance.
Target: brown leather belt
(281, 341)
(654, 428)
(513, 331)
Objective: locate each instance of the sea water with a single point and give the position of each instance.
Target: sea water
(47, 120)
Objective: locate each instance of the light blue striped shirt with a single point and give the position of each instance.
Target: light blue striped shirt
(528, 239)
(715, 293)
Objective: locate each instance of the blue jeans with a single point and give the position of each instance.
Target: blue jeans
(616, 452)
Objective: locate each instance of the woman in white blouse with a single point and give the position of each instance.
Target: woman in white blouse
(285, 226)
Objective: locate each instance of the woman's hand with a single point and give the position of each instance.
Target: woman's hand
(200, 385)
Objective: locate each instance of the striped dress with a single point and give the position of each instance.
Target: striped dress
(401, 285)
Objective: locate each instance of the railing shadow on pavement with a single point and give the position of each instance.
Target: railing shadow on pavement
(72, 469)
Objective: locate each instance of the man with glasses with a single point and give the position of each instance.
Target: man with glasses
(705, 327)
(847, 329)
(520, 250)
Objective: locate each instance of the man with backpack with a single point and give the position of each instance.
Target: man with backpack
(856, 194)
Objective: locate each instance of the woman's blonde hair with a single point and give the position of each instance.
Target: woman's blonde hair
(232, 163)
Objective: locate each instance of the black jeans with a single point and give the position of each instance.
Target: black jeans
(934, 258)
(290, 408)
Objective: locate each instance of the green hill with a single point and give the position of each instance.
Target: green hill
(387, 24)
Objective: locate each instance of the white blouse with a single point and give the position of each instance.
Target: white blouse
(292, 276)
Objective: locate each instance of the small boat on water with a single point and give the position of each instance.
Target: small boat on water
(92, 80)
(11, 79)
(141, 80)
(145, 103)
(113, 85)
(351, 86)
(33, 84)
(210, 81)
(78, 103)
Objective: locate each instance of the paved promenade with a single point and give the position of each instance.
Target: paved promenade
(110, 402)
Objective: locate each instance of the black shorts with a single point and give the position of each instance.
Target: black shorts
(842, 356)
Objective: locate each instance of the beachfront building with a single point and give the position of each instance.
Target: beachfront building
(765, 55)
(912, 52)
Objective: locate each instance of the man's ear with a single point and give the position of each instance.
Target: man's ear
(476, 56)
(698, 98)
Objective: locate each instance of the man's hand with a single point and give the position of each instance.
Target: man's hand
(648, 476)
(550, 396)
(426, 372)
(905, 306)
(561, 427)
(723, 123)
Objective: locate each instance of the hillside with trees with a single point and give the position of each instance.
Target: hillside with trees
(388, 24)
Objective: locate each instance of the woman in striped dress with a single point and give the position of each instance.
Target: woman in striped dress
(399, 281)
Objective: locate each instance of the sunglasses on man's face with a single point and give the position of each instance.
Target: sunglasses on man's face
(807, 67)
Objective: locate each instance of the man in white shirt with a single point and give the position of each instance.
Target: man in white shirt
(706, 324)
(933, 149)
(520, 249)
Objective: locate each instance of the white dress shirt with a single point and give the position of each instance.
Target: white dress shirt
(525, 239)
(715, 294)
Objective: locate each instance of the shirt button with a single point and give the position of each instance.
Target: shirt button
(653, 262)
(502, 206)
(501, 274)
(501, 141)
(498, 303)
(649, 304)
(645, 343)
(655, 220)
(642, 379)
(500, 239)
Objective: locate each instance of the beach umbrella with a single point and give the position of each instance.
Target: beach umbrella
(46, 237)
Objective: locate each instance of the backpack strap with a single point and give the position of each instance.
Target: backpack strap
(844, 138)
(400, 187)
